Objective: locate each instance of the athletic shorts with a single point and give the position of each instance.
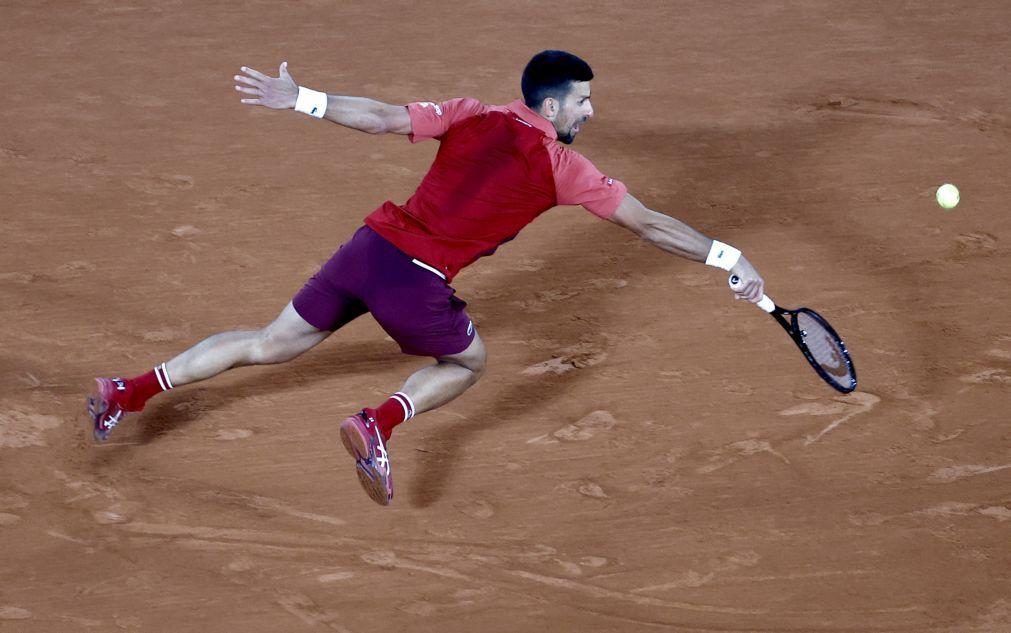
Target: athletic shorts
(416, 307)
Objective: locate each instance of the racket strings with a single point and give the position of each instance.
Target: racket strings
(826, 350)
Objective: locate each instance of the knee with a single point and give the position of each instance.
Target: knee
(476, 371)
(474, 362)
(477, 363)
(474, 359)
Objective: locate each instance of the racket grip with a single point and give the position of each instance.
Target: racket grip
(766, 304)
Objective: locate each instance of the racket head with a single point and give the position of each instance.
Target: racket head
(823, 348)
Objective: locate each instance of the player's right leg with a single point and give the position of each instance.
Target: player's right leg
(420, 311)
(365, 434)
(288, 336)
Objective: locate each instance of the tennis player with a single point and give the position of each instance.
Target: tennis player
(498, 167)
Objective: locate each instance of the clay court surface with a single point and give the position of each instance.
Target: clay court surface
(644, 454)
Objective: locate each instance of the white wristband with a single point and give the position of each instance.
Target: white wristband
(723, 256)
(311, 102)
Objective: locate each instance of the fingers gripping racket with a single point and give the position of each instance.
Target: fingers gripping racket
(816, 339)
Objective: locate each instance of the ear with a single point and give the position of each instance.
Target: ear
(549, 108)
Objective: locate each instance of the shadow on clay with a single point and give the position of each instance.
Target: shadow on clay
(437, 466)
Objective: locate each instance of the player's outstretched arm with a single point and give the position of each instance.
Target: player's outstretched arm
(358, 113)
(674, 236)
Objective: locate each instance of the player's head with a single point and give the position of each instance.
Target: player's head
(556, 84)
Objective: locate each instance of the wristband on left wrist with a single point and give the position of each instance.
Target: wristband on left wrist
(311, 102)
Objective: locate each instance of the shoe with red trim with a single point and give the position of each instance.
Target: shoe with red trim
(106, 406)
(363, 440)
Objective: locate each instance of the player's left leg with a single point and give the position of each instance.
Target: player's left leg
(285, 338)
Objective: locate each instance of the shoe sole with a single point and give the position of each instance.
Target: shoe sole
(357, 445)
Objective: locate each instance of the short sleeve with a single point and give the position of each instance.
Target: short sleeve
(432, 120)
(578, 181)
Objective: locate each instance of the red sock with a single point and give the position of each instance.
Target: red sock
(143, 387)
(397, 410)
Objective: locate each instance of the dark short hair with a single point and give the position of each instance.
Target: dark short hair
(549, 74)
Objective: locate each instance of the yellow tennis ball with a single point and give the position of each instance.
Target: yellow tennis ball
(947, 196)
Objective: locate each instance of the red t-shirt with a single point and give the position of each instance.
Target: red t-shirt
(497, 169)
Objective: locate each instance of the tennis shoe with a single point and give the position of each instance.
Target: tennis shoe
(363, 441)
(106, 405)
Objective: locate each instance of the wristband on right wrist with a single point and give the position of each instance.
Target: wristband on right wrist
(311, 102)
(723, 256)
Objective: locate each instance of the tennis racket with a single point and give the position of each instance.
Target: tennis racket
(816, 339)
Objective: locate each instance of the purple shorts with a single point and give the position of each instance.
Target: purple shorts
(415, 306)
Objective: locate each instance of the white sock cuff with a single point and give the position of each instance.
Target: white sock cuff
(161, 373)
(405, 401)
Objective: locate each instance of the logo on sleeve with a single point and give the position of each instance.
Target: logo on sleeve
(429, 104)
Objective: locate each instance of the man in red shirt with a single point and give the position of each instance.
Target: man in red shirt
(497, 169)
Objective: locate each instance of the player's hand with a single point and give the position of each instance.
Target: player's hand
(752, 286)
(278, 92)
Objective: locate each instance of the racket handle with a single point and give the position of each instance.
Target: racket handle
(766, 304)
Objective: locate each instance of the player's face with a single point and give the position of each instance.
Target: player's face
(573, 111)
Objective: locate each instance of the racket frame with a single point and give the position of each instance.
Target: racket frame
(788, 319)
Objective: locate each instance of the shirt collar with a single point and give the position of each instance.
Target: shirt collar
(520, 109)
